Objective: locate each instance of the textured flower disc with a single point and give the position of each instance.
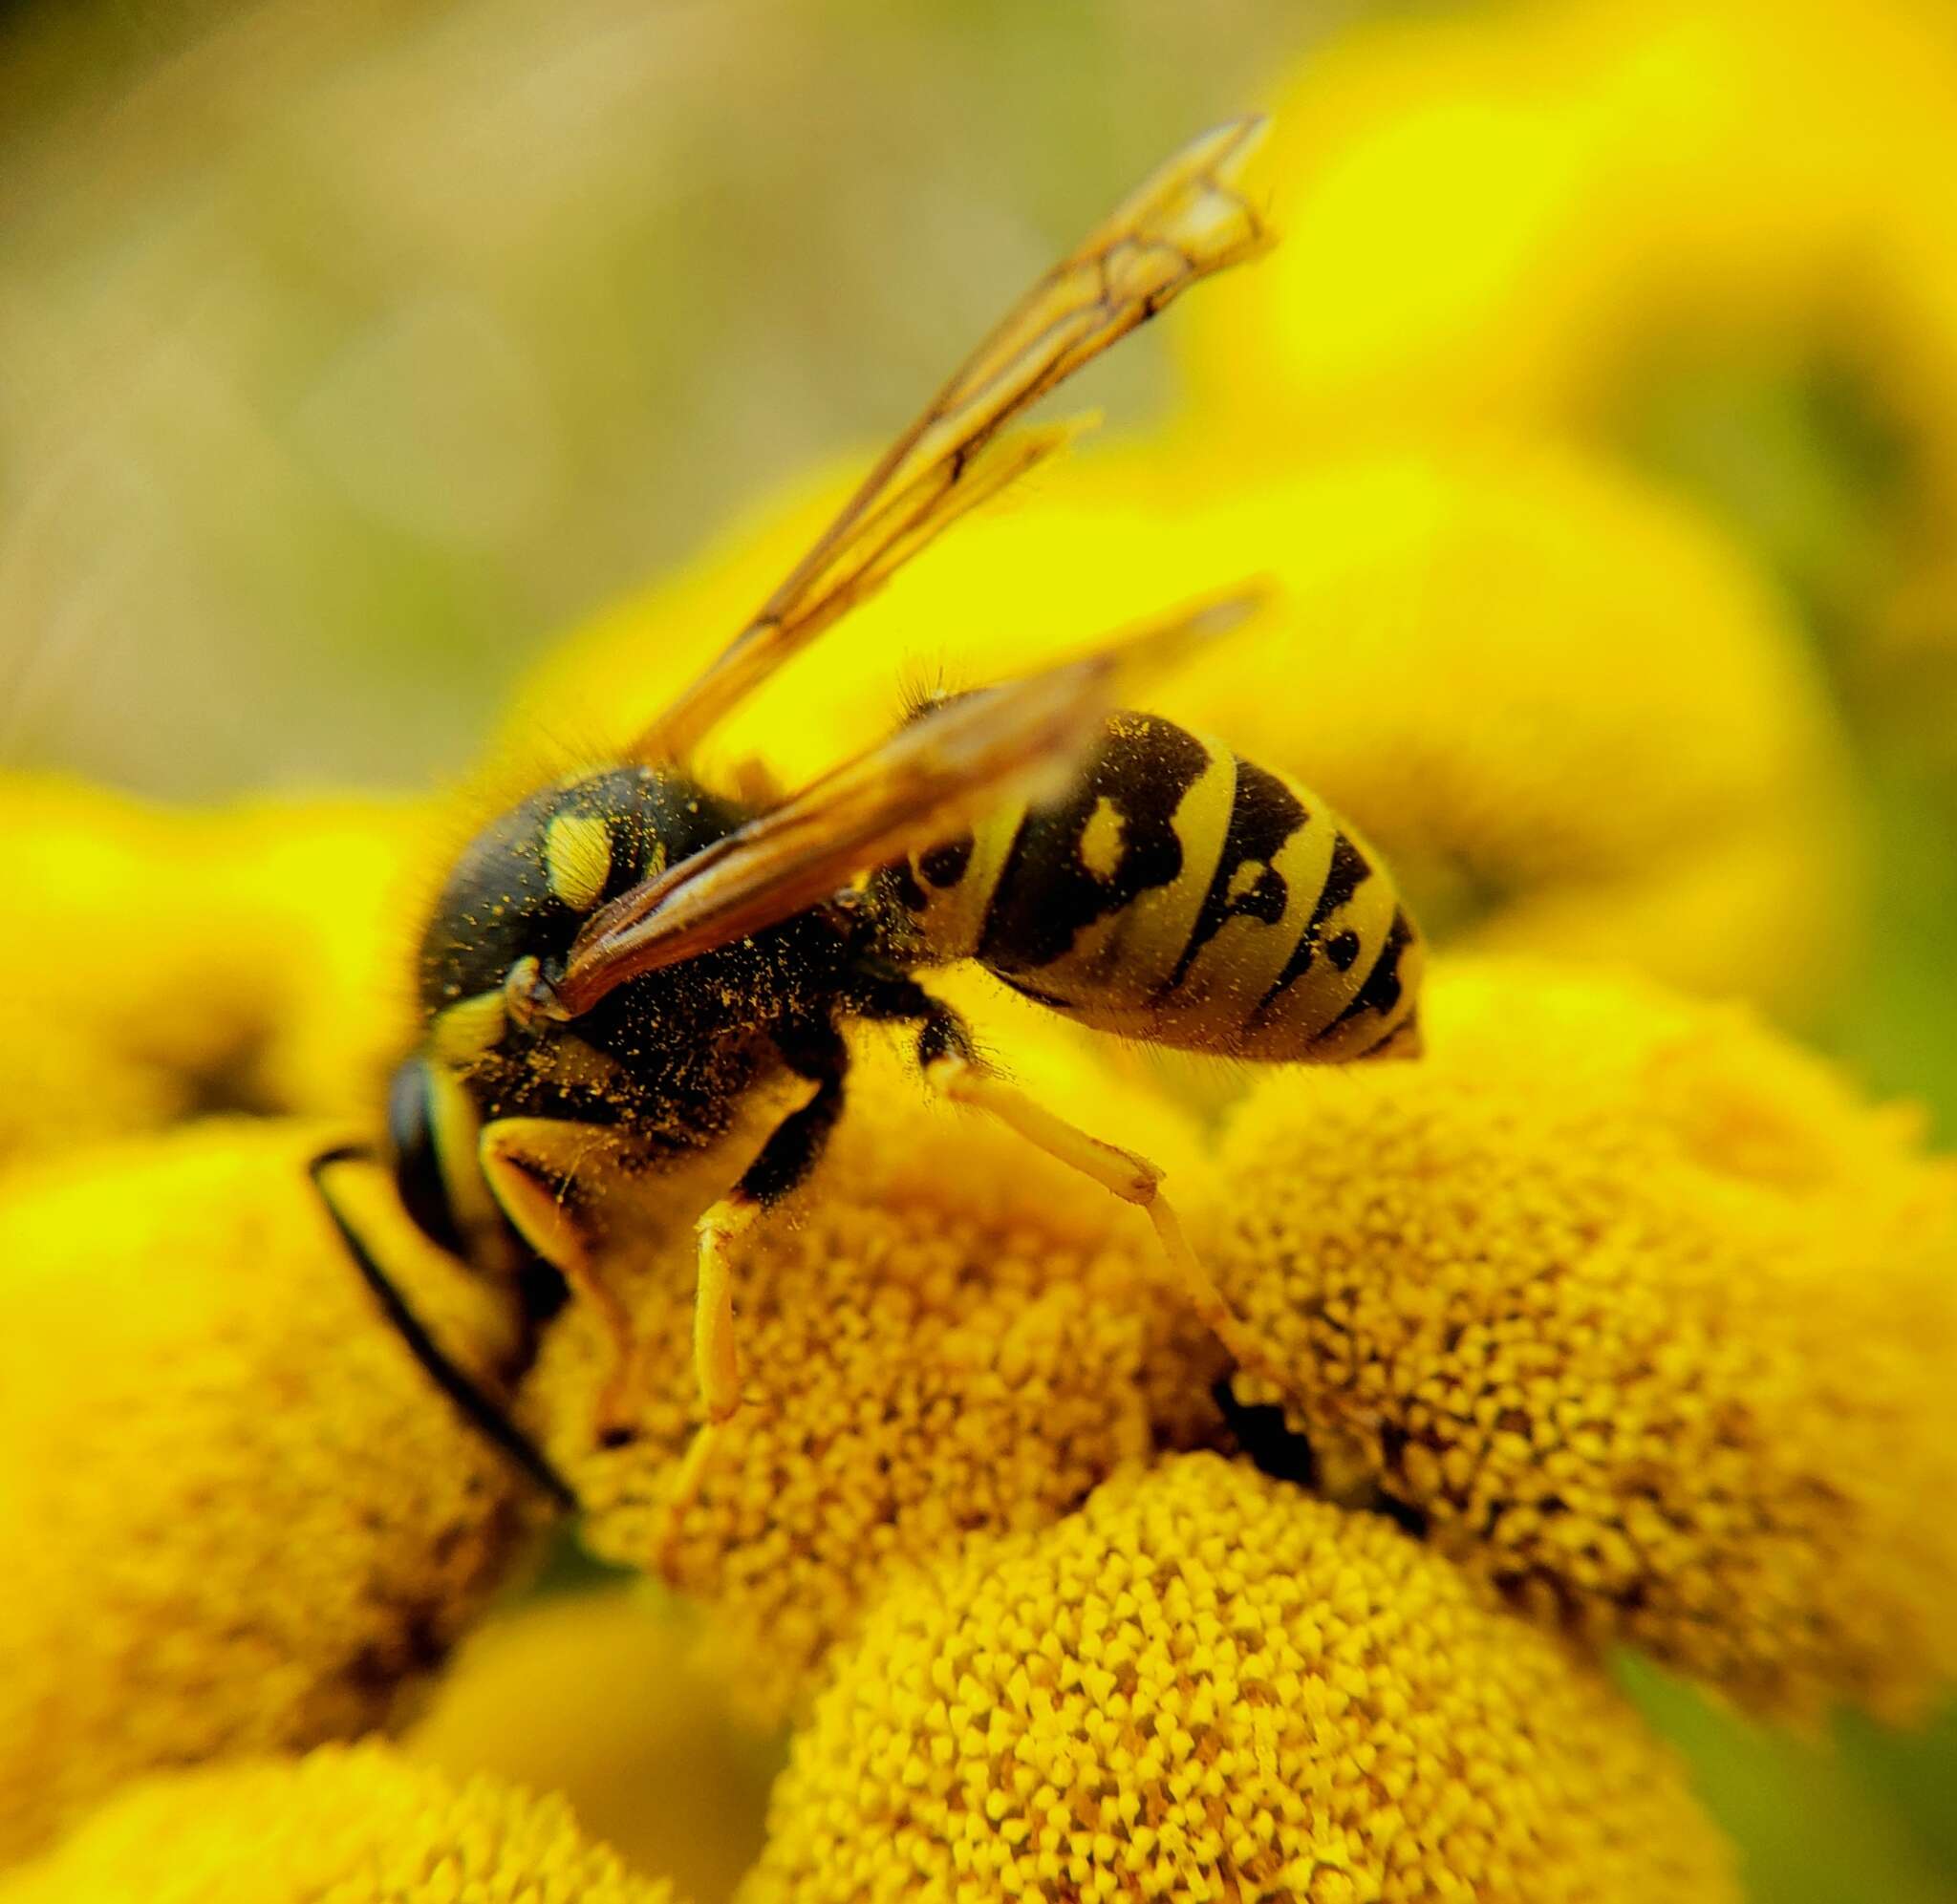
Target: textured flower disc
(237, 1517)
(352, 1826)
(1208, 1685)
(1646, 1312)
(943, 1333)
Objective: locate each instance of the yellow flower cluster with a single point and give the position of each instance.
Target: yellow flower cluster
(360, 1825)
(1571, 718)
(595, 1695)
(189, 962)
(237, 1516)
(1634, 1322)
(1646, 1314)
(1207, 1685)
(1698, 229)
(945, 1334)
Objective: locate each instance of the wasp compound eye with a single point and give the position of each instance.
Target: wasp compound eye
(414, 1158)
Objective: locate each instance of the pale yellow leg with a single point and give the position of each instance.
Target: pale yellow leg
(535, 1202)
(1131, 1178)
(716, 1355)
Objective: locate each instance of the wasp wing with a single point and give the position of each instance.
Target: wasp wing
(1188, 220)
(928, 783)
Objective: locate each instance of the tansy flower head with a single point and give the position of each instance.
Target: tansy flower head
(359, 1826)
(943, 1333)
(1723, 236)
(195, 961)
(1646, 1314)
(1208, 1685)
(238, 1515)
(596, 1696)
(1569, 715)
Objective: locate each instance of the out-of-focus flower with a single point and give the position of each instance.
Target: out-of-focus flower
(1565, 710)
(360, 1825)
(1207, 1684)
(237, 1516)
(1723, 235)
(943, 1333)
(1645, 1312)
(596, 1696)
(187, 962)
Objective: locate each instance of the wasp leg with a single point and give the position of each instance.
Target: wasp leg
(475, 1407)
(541, 1200)
(781, 1162)
(1133, 1178)
(953, 1068)
(716, 1355)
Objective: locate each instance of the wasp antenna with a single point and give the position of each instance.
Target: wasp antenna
(476, 1409)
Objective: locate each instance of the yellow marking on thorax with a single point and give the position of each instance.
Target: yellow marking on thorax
(577, 858)
(464, 1030)
(1102, 838)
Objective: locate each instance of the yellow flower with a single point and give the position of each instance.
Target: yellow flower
(1646, 1314)
(355, 1825)
(1207, 1684)
(237, 1516)
(1568, 714)
(1720, 232)
(596, 1696)
(189, 961)
(943, 1333)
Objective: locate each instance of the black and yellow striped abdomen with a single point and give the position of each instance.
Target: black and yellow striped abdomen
(1183, 895)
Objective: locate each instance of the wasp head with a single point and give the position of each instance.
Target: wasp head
(524, 886)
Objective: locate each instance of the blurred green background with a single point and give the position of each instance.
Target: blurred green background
(349, 351)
